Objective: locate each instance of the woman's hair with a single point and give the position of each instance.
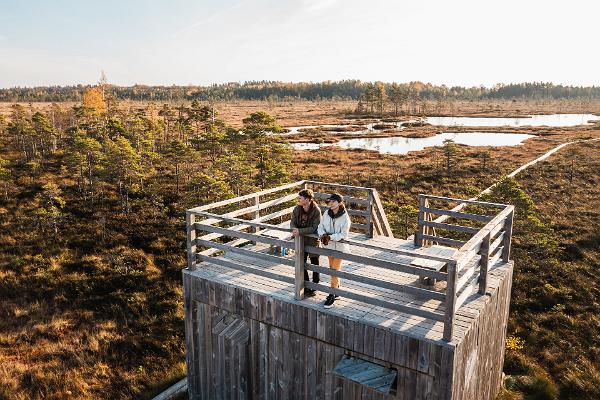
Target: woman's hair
(340, 199)
(307, 194)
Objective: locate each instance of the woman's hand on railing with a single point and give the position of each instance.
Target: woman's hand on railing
(295, 232)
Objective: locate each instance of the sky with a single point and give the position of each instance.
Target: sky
(185, 42)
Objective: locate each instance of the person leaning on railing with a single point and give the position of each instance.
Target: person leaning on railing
(306, 217)
(334, 227)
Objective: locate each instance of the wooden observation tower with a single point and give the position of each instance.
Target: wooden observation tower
(423, 318)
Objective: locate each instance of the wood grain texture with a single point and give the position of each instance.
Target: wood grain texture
(251, 333)
(244, 343)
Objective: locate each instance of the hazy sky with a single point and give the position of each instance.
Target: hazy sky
(202, 42)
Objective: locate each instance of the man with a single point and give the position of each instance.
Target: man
(306, 218)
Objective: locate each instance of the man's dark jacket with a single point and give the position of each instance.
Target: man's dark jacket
(307, 222)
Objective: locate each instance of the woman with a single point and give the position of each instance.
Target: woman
(334, 227)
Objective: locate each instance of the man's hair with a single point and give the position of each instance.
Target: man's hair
(307, 194)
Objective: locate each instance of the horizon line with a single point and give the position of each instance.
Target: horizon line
(245, 82)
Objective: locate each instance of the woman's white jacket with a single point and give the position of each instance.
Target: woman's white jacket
(337, 228)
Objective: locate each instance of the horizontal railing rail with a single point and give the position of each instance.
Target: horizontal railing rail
(475, 255)
(211, 233)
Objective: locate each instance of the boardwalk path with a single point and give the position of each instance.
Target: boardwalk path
(533, 162)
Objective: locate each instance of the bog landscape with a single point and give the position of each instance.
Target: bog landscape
(148, 250)
(95, 182)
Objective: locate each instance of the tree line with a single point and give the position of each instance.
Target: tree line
(272, 90)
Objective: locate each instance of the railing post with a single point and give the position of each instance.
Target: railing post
(256, 213)
(508, 225)
(450, 301)
(370, 214)
(190, 219)
(299, 265)
(484, 263)
(420, 227)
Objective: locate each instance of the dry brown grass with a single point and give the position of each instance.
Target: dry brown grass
(303, 112)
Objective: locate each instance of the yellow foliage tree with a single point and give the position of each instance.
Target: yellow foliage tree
(93, 98)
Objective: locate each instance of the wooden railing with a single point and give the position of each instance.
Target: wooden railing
(365, 207)
(476, 254)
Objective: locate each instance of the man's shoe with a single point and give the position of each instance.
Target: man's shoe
(329, 301)
(309, 292)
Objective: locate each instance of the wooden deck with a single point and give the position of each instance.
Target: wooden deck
(281, 287)
(252, 333)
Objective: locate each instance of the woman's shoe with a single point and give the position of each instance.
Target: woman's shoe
(310, 292)
(329, 301)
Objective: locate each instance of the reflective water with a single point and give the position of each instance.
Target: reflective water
(368, 128)
(555, 120)
(402, 145)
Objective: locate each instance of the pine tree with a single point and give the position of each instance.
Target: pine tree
(122, 166)
(168, 116)
(46, 135)
(48, 212)
(451, 154)
(380, 97)
(5, 177)
(84, 158)
(178, 155)
(259, 123)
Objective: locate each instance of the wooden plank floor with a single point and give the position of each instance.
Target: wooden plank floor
(418, 327)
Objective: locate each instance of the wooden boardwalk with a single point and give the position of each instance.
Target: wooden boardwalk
(418, 327)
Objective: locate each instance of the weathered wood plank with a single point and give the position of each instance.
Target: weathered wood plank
(493, 223)
(239, 227)
(461, 201)
(299, 268)
(418, 237)
(410, 253)
(370, 213)
(191, 237)
(233, 249)
(245, 235)
(347, 199)
(458, 214)
(250, 270)
(174, 391)
(424, 293)
(444, 240)
(451, 227)
(337, 185)
(246, 197)
(404, 324)
(351, 212)
(239, 221)
(484, 264)
(394, 266)
(508, 227)
(254, 209)
(450, 302)
(378, 206)
(370, 300)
